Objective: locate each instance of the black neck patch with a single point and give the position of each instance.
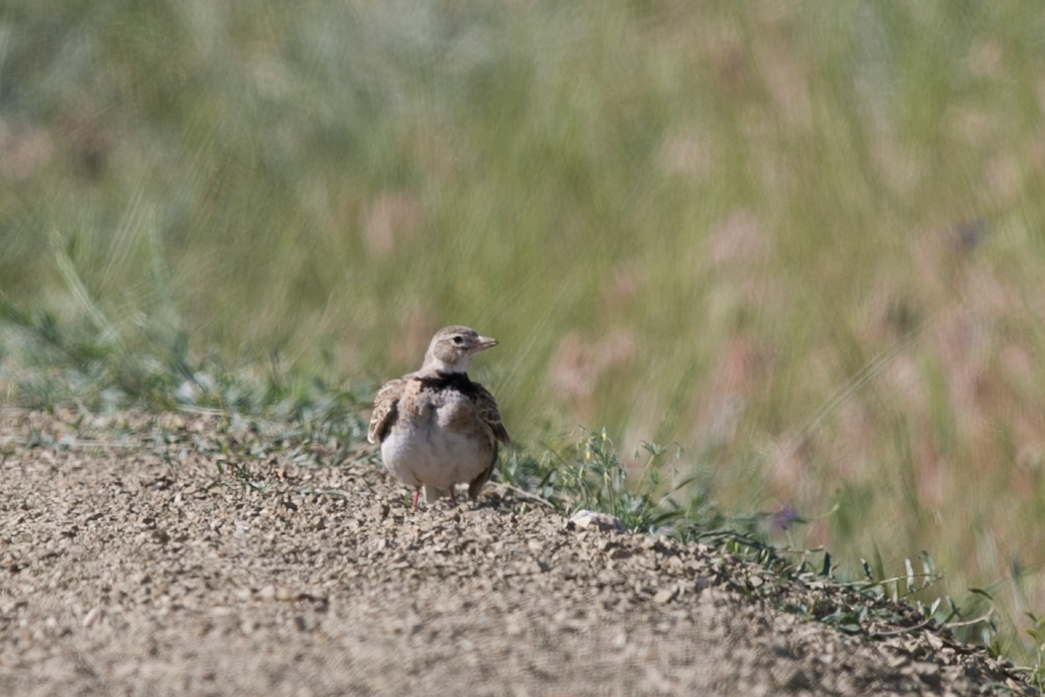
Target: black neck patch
(453, 381)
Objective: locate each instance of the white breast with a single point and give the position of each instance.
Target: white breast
(421, 449)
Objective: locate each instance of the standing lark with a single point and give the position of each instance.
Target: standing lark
(436, 427)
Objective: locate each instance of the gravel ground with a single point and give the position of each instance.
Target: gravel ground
(133, 565)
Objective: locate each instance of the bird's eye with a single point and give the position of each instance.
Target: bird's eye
(458, 339)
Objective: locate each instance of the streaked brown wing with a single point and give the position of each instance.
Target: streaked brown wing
(385, 410)
(487, 408)
(476, 485)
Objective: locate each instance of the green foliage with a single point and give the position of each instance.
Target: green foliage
(589, 475)
(1037, 633)
(151, 367)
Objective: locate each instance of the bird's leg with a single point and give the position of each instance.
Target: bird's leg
(453, 499)
(417, 492)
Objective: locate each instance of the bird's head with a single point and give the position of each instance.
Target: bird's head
(453, 348)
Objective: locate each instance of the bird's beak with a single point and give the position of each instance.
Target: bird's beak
(484, 342)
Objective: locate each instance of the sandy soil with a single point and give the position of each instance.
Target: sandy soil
(176, 554)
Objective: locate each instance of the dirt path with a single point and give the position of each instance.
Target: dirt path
(130, 566)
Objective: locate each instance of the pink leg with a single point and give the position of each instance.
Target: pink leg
(417, 492)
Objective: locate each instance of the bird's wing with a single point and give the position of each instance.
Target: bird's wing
(385, 410)
(487, 408)
(476, 485)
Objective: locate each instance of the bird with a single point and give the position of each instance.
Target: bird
(436, 427)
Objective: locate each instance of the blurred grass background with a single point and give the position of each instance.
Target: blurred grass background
(802, 240)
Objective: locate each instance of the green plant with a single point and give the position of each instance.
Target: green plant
(1036, 672)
